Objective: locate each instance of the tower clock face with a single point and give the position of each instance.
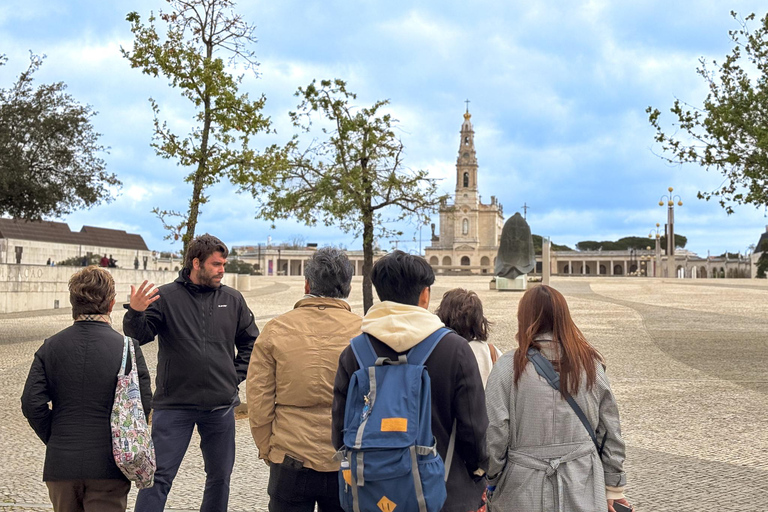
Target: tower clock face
(465, 155)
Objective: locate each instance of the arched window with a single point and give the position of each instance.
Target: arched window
(433, 260)
(466, 141)
(617, 270)
(466, 179)
(465, 227)
(465, 261)
(446, 261)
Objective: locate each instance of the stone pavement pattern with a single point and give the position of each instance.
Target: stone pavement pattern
(687, 362)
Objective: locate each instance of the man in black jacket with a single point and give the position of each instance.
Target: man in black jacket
(199, 324)
(394, 326)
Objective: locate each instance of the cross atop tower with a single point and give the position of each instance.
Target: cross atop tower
(467, 102)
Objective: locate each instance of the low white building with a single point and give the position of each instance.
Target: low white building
(38, 243)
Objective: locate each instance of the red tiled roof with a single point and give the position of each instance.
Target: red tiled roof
(59, 232)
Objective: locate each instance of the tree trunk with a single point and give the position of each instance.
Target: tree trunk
(367, 218)
(202, 167)
(367, 260)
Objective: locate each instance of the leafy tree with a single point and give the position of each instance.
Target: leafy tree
(49, 151)
(538, 242)
(236, 266)
(627, 243)
(729, 132)
(77, 261)
(218, 144)
(354, 178)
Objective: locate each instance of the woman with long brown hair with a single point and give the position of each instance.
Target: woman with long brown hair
(542, 457)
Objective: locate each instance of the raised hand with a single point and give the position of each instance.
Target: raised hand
(144, 296)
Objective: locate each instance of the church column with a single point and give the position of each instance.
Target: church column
(625, 267)
(301, 267)
(584, 267)
(570, 267)
(611, 272)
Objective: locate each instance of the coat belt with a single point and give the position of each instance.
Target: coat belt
(550, 467)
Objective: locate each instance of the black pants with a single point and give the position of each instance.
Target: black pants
(293, 489)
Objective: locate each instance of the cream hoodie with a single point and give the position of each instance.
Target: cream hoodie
(400, 326)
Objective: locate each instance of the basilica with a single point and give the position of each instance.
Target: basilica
(470, 231)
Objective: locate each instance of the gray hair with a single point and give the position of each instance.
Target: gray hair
(329, 273)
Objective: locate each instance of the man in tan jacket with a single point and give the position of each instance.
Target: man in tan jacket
(290, 387)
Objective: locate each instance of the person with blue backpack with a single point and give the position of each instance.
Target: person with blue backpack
(408, 415)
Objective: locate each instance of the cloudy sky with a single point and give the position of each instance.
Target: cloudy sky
(558, 94)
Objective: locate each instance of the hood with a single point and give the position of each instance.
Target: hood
(400, 326)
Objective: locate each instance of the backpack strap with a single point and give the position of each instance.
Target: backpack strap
(545, 369)
(494, 354)
(419, 354)
(363, 350)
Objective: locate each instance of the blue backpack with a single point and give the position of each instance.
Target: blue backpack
(389, 459)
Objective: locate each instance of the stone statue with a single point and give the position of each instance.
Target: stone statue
(516, 256)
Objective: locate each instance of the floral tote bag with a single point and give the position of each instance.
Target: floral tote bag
(131, 442)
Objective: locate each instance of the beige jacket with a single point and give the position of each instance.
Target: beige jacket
(289, 387)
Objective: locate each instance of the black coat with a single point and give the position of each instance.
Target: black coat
(457, 393)
(76, 371)
(198, 329)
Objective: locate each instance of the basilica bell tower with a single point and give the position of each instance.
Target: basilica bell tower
(466, 165)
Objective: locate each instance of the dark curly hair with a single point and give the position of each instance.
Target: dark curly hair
(462, 311)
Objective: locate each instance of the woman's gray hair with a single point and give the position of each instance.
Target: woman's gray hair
(329, 273)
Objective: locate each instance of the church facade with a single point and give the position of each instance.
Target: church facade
(470, 231)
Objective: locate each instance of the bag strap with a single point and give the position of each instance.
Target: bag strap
(419, 354)
(545, 369)
(363, 350)
(449, 453)
(126, 344)
(494, 354)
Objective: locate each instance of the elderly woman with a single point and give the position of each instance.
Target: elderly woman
(543, 458)
(76, 372)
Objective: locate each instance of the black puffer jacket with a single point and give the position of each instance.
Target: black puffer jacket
(198, 329)
(76, 370)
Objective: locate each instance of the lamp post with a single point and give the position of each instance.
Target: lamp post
(670, 231)
(657, 262)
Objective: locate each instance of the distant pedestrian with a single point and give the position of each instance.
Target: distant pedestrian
(104, 262)
(76, 372)
(462, 311)
(84, 261)
(145, 262)
(205, 333)
(290, 387)
(111, 262)
(136, 263)
(48, 263)
(543, 458)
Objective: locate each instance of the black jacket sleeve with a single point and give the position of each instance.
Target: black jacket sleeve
(143, 325)
(35, 398)
(145, 381)
(247, 332)
(470, 412)
(347, 366)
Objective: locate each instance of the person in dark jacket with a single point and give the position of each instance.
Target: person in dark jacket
(206, 334)
(397, 324)
(76, 371)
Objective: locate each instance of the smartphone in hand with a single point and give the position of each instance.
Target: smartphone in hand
(620, 507)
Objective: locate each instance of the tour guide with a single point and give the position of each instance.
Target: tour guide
(199, 323)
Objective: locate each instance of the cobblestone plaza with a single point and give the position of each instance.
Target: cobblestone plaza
(686, 358)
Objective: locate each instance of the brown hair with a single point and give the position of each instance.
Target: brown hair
(462, 311)
(91, 291)
(544, 310)
(202, 247)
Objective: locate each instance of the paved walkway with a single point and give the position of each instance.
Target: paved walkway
(687, 361)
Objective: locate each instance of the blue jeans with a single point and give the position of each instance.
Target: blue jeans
(171, 433)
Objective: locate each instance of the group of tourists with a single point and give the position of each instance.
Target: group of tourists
(401, 409)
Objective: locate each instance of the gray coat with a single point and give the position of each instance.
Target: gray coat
(541, 456)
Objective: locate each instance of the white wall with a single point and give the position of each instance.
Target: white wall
(34, 287)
